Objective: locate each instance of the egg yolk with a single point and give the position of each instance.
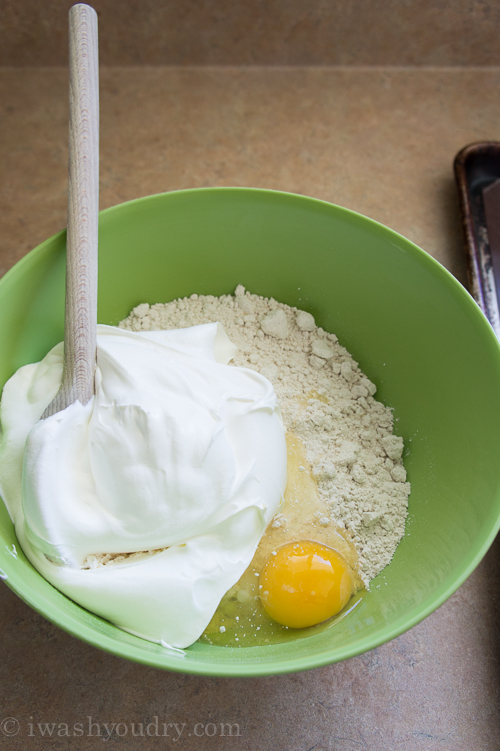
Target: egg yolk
(305, 583)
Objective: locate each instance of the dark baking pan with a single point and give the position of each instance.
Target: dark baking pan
(477, 173)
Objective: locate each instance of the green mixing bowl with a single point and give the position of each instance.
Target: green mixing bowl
(411, 326)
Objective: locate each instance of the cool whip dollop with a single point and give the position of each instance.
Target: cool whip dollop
(176, 450)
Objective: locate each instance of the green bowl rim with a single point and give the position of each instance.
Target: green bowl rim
(162, 660)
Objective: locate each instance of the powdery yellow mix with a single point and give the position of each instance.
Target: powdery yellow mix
(346, 479)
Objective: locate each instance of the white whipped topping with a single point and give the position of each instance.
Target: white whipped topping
(177, 449)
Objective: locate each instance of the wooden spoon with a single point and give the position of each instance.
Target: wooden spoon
(83, 206)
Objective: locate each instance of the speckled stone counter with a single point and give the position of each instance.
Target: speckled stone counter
(380, 141)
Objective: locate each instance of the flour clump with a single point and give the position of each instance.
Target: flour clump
(275, 324)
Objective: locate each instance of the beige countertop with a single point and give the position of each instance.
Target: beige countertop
(380, 141)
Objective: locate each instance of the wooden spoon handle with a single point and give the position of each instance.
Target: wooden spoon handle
(83, 207)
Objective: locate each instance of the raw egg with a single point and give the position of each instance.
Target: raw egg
(304, 583)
